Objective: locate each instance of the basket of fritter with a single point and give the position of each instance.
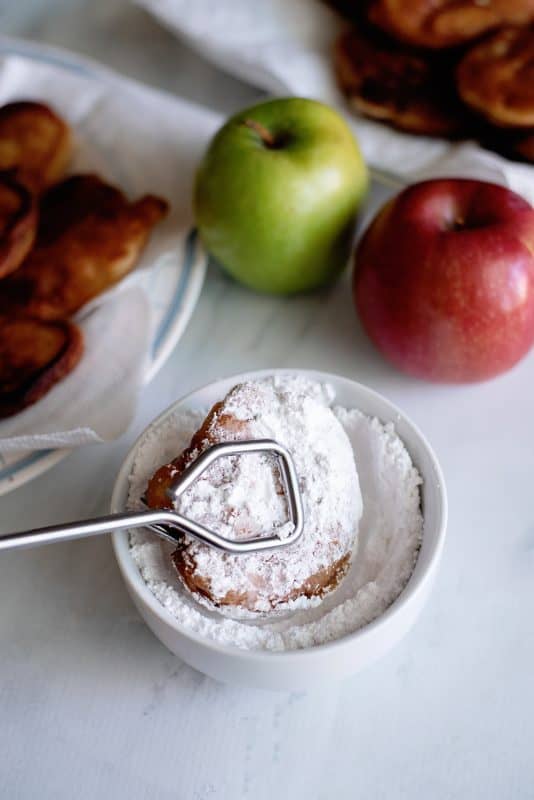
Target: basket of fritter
(63, 241)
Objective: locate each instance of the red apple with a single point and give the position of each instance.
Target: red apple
(444, 280)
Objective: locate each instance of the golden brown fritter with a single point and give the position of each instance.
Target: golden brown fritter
(387, 82)
(89, 237)
(34, 142)
(446, 23)
(496, 77)
(18, 223)
(34, 356)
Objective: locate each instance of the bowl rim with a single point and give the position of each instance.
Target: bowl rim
(416, 583)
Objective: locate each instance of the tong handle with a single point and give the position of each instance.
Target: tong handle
(169, 524)
(92, 527)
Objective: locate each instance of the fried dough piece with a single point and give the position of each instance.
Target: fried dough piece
(34, 142)
(89, 237)
(34, 356)
(387, 82)
(18, 223)
(496, 78)
(446, 23)
(260, 582)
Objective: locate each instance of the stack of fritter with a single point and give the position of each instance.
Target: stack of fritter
(455, 68)
(62, 242)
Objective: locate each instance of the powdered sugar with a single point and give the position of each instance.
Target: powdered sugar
(389, 538)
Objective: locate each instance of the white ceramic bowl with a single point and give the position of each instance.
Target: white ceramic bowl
(308, 667)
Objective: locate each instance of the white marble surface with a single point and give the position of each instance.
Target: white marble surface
(91, 705)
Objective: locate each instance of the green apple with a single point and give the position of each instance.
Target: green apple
(277, 193)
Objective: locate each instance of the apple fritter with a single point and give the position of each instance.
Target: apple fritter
(18, 223)
(249, 585)
(89, 237)
(34, 142)
(496, 77)
(34, 356)
(446, 23)
(387, 82)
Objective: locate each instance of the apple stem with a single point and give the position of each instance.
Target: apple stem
(264, 134)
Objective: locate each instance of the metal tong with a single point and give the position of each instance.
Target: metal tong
(172, 526)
